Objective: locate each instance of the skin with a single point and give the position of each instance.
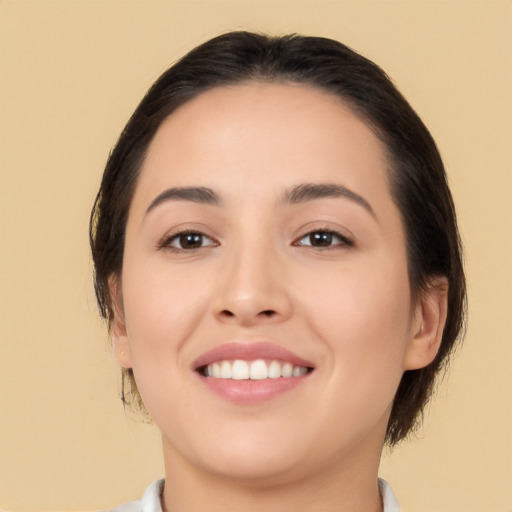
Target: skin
(255, 276)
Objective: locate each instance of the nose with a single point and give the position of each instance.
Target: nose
(253, 289)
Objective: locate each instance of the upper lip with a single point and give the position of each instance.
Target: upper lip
(250, 352)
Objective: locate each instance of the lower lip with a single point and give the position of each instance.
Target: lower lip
(246, 392)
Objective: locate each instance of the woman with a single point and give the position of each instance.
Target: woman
(277, 256)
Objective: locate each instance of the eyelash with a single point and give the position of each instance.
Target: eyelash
(167, 242)
(327, 234)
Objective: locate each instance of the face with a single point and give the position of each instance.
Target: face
(264, 302)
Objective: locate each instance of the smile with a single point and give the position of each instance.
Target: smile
(252, 373)
(258, 369)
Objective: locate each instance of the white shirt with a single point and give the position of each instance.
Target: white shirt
(150, 502)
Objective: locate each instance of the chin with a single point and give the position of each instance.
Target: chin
(252, 458)
(257, 469)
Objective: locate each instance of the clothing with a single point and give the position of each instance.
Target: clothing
(388, 497)
(150, 502)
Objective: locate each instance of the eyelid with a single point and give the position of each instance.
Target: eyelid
(347, 241)
(166, 241)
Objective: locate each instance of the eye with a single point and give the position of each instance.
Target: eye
(324, 238)
(187, 241)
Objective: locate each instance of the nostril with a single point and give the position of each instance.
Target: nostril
(245, 316)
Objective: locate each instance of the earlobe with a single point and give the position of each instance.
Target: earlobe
(120, 345)
(428, 325)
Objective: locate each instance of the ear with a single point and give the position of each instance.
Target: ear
(120, 345)
(428, 325)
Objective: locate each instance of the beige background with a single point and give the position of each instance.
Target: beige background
(71, 72)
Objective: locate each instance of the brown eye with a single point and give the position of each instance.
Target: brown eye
(188, 241)
(321, 239)
(324, 239)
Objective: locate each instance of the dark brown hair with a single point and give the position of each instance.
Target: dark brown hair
(417, 177)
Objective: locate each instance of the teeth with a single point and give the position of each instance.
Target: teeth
(274, 370)
(258, 370)
(253, 370)
(240, 370)
(287, 370)
(298, 371)
(225, 370)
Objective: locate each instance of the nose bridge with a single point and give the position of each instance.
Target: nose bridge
(254, 284)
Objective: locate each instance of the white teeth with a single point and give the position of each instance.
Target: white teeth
(253, 370)
(225, 370)
(287, 370)
(258, 370)
(274, 370)
(298, 371)
(239, 370)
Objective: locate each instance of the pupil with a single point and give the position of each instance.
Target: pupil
(190, 240)
(321, 238)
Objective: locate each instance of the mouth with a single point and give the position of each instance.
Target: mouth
(258, 369)
(251, 373)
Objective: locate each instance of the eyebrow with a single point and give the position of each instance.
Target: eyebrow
(201, 195)
(311, 191)
(301, 193)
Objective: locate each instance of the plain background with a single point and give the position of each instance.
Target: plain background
(71, 73)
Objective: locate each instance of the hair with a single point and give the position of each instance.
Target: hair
(417, 178)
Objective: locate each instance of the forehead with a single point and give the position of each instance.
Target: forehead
(261, 134)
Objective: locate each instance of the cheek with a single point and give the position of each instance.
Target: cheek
(364, 321)
(362, 314)
(163, 308)
(163, 305)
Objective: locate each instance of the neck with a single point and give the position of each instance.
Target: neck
(348, 487)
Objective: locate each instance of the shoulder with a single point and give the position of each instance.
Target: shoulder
(150, 502)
